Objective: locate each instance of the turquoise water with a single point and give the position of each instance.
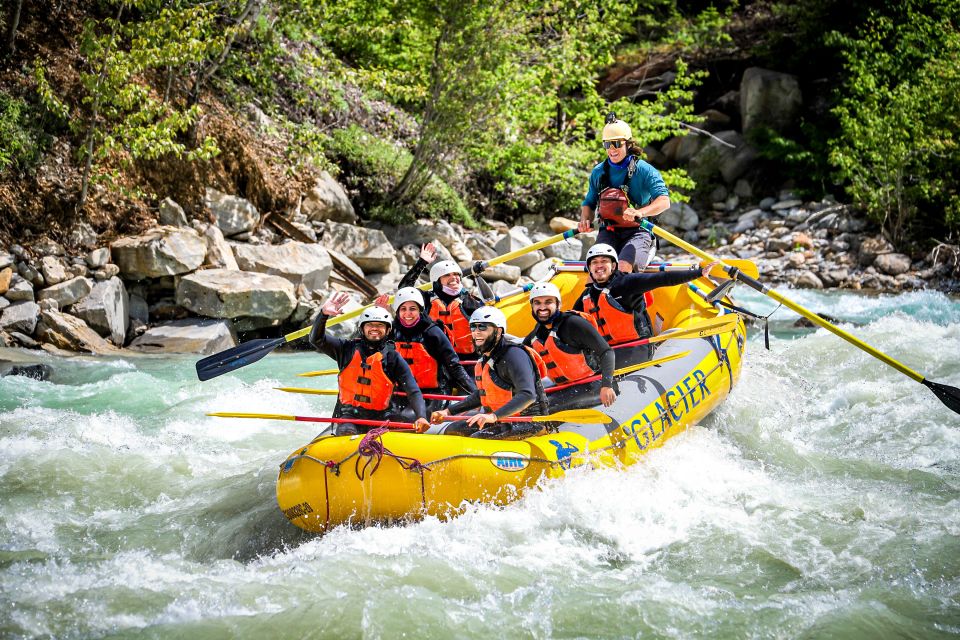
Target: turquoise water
(820, 501)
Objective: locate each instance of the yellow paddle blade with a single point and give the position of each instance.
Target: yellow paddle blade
(265, 416)
(582, 416)
(710, 327)
(650, 363)
(319, 392)
(321, 372)
(747, 267)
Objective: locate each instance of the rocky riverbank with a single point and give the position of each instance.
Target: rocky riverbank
(196, 286)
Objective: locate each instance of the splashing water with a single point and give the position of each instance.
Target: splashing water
(821, 500)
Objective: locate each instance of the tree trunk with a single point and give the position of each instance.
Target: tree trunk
(12, 27)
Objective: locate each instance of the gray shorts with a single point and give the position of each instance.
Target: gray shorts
(632, 245)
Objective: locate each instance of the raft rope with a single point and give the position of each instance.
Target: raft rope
(371, 451)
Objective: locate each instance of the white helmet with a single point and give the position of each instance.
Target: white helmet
(617, 130)
(443, 268)
(601, 249)
(491, 315)
(407, 294)
(545, 289)
(376, 314)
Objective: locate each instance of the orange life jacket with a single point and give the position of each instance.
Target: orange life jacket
(454, 323)
(425, 369)
(494, 390)
(613, 202)
(364, 383)
(563, 362)
(613, 321)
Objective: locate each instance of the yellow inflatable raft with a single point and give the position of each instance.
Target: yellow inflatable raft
(406, 475)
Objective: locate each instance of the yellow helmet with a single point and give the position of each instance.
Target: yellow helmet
(617, 130)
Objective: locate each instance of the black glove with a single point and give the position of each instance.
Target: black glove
(478, 267)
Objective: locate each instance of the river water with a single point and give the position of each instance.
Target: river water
(822, 500)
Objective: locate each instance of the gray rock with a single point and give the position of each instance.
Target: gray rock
(53, 269)
(171, 214)
(786, 204)
(219, 255)
(568, 249)
(541, 271)
(300, 263)
(138, 309)
(30, 274)
(24, 340)
(726, 154)
(479, 247)
(106, 310)
(20, 316)
(328, 201)
(49, 305)
(65, 331)
(892, 264)
(21, 290)
(870, 248)
(743, 189)
(98, 257)
(507, 272)
(767, 203)
(4, 303)
(106, 272)
(82, 235)
(202, 337)
(163, 251)
(515, 239)
(47, 247)
(66, 293)
(680, 215)
(222, 293)
(369, 248)
(232, 214)
(6, 260)
(770, 99)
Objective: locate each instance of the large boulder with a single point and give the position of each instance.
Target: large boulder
(65, 331)
(680, 215)
(171, 214)
(219, 254)
(66, 293)
(163, 251)
(203, 337)
(725, 154)
(20, 316)
(106, 310)
(369, 248)
(516, 239)
(54, 270)
(232, 214)
(892, 264)
(222, 293)
(298, 262)
(422, 232)
(769, 99)
(328, 201)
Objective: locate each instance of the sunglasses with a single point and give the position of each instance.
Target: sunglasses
(616, 144)
(481, 326)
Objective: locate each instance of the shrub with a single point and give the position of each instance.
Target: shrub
(21, 139)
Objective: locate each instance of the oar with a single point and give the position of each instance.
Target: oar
(747, 266)
(249, 352)
(583, 416)
(279, 416)
(333, 392)
(709, 327)
(321, 372)
(950, 396)
(619, 372)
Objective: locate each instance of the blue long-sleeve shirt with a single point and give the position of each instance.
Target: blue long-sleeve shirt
(645, 184)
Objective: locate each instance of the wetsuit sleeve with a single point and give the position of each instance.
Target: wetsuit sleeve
(472, 401)
(578, 305)
(515, 366)
(579, 333)
(438, 346)
(412, 278)
(324, 343)
(399, 372)
(593, 188)
(632, 286)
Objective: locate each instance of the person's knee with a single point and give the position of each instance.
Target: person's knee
(347, 429)
(625, 267)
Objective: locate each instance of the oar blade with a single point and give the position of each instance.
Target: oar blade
(261, 416)
(318, 392)
(948, 395)
(650, 363)
(236, 357)
(321, 372)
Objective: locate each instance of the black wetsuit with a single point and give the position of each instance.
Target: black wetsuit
(514, 367)
(627, 290)
(579, 335)
(395, 367)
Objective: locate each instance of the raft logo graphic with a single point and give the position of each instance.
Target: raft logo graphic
(564, 453)
(509, 461)
(298, 510)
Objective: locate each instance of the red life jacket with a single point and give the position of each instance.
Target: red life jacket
(364, 383)
(613, 322)
(454, 323)
(563, 362)
(425, 369)
(613, 202)
(495, 392)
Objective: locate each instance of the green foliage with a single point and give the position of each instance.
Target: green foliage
(21, 139)
(373, 166)
(897, 150)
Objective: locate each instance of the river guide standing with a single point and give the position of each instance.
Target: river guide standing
(571, 349)
(508, 383)
(369, 370)
(622, 189)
